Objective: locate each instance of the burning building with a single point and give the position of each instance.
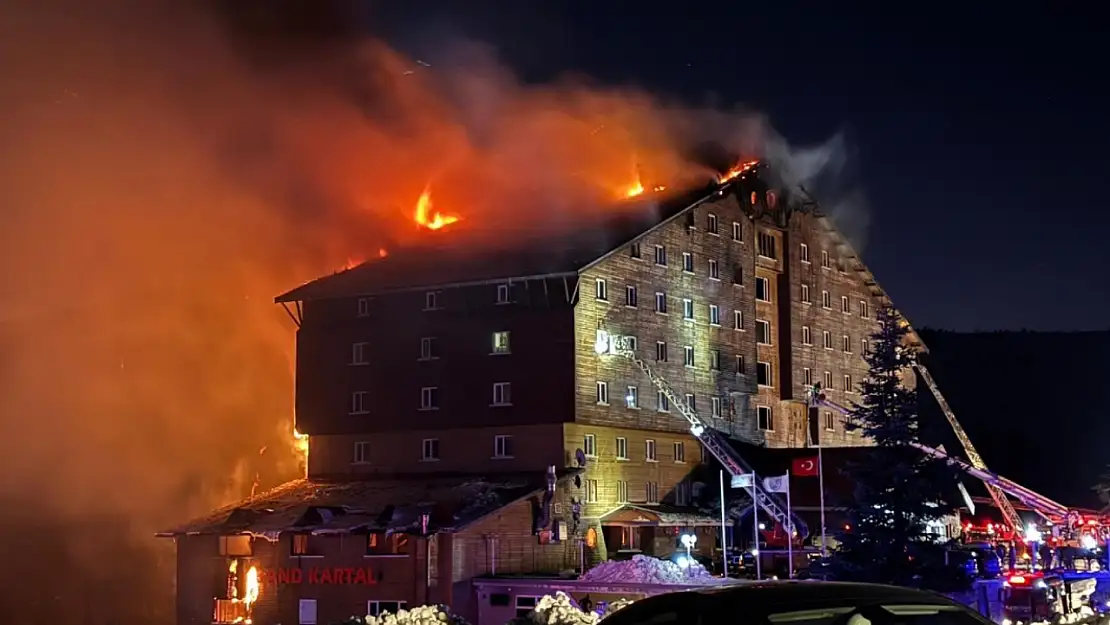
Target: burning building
(460, 423)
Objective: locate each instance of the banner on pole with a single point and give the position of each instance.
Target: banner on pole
(777, 483)
(742, 481)
(806, 467)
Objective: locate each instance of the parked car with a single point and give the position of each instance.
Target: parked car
(798, 603)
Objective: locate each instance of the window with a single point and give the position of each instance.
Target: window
(841, 265)
(660, 351)
(603, 393)
(630, 298)
(864, 347)
(502, 394)
(762, 332)
(652, 492)
(807, 337)
(711, 224)
(661, 303)
(502, 294)
(845, 306)
(714, 270)
(741, 365)
(765, 419)
(649, 450)
(767, 245)
(428, 349)
(688, 309)
(828, 381)
(738, 275)
(591, 491)
(714, 315)
(306, 612)
(634, 250)
(805, 294)
(863, 309)
(363, 307)
(429, 398)
(679, 451)
(688, 355)
(846, 344)
(358, 402)
(763, 374)
(692, 401)
(632, 398)
(429, 449)
(362, 453)
(688, 262)
(376, 608)
(682, 493)
(848, 388)
(501, 342)
(622, 492)
(431, 300)
(826, 300)
(715, 360)
(737, 231)
(301, 545)
(382, 544)
(235, 546)
(738, 319)
(525, 605)
(602, 290)
(826, 339)
(803, 253)
(807, 376)
(715, 407)
(830, 423)
(660, 256)
(689, 218)
(622, 448)
(762, 289)
(589, 445)
(502, 446)
(358, 354)
(662, 403)
(825, 259)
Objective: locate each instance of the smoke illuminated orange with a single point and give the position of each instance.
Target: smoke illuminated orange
(424, 209)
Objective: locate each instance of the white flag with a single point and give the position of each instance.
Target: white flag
(777, 484)
(742, 481)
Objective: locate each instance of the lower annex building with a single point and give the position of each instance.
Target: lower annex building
(461, 423)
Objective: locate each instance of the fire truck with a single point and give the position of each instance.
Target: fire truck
(1036, 597)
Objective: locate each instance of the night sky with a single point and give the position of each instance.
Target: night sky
(978, 136)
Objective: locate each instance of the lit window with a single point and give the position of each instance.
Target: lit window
(501, 342)
(632, 397)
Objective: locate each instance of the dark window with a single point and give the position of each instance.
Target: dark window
(634, 250)
(767, 245)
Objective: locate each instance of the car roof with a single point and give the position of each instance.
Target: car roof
(811, 591)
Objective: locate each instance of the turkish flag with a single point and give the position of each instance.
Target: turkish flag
(805, 467)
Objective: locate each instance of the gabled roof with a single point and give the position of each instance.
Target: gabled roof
(398, 505)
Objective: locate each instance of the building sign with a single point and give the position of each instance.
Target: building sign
(337, 576)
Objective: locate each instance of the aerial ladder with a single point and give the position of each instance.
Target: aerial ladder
(713, 441)
(996, 485)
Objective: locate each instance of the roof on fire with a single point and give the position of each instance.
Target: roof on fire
(398, 504)
(559, 255)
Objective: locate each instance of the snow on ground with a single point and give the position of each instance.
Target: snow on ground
(422, 615)
(646, 570)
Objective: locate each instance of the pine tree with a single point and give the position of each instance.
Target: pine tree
(898, 489)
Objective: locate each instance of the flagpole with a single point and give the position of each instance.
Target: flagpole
(755, 533)
(821, 487)
(724, 535)
(789, 532)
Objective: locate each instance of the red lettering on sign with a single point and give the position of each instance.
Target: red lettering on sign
(360, 576)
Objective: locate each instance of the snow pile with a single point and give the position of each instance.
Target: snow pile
(613, 606)
(422, 615)
(645, 570)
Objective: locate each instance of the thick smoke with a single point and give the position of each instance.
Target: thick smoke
(165, 171)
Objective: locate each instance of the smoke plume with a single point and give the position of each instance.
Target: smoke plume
(167, 168)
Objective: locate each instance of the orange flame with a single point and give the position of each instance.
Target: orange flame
(424, 208)
(382, 252)
(737, 170)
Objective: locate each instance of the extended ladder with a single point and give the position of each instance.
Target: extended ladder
(716, 444)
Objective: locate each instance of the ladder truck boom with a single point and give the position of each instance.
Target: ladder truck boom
(713, 441)
(1043, 506)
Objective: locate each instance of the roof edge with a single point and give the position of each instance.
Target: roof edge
(290, 296)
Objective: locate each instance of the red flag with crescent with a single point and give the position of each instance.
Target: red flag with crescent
(805, 467)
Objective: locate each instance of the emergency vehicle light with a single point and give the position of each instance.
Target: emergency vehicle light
(1018, 580)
